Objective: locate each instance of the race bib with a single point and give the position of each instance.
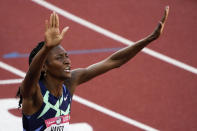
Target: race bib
(60, 123)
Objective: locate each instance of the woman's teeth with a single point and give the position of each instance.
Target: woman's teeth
(67, 69)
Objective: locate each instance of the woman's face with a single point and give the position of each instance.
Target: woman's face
(58, 64)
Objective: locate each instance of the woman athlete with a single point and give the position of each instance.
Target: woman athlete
(47, 89)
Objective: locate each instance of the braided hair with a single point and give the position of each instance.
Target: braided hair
(31, 56)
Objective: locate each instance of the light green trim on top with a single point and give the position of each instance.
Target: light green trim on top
(55, 107)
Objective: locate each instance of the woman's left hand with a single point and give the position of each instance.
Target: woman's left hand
(159, 29)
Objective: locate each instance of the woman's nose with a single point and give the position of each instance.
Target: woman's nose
(67, 61)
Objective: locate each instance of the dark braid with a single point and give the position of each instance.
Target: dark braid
(20, 96)
(31, 56)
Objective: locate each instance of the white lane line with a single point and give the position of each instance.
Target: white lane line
(12, 69)
(113, 114)
(11, 81)
(91, 104)
(115, 36)
(170, 60)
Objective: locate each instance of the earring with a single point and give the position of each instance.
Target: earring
(45, 73)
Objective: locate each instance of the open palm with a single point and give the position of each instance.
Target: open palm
(53, 37)
(159, 29)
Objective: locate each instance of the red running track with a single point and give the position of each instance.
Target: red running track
(145, 89)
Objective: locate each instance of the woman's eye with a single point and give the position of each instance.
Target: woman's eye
(58, 58)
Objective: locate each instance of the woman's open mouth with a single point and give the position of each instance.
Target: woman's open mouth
(67, 69)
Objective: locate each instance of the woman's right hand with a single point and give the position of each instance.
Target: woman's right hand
(53, 37)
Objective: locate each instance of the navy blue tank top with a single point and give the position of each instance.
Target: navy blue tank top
(51, 107)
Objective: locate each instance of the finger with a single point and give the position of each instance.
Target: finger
(57, 21)
(46, 25)
(161, 26)
(165, 14)
(53, 19)
(64, 31)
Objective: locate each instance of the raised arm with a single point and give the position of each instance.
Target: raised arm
(53, 37)
(120, 57)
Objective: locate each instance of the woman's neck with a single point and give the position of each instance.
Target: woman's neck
(54, 86)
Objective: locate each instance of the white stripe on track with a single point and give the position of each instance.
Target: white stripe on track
(12, 69)
(115, 36)
(11, 81)
(89, 103)
(113, 114)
